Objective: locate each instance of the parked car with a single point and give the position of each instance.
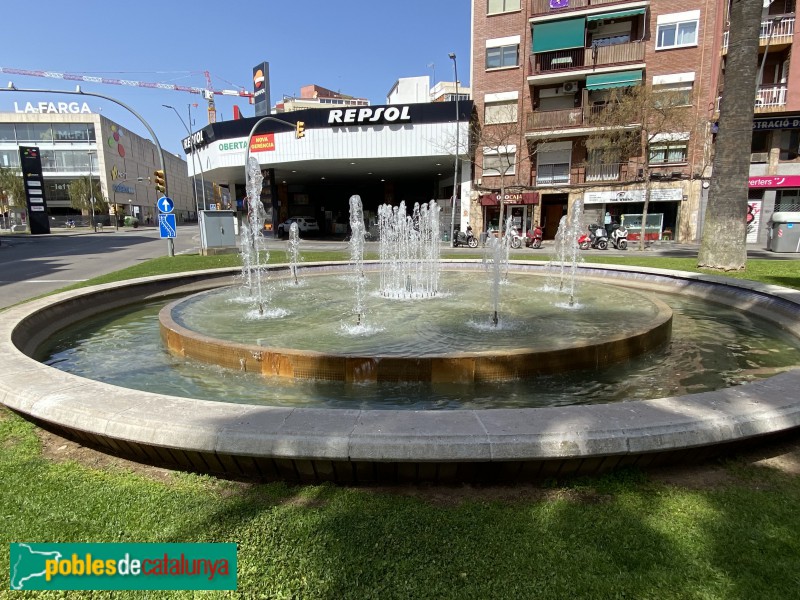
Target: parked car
(306, 226)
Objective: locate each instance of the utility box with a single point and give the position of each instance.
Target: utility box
(217, 231)
(784, 235)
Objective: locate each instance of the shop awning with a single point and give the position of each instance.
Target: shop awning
(617, 15)
(559, 35)
(613, 80)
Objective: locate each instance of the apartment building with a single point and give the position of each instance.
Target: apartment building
(543, 70)
(775, 152)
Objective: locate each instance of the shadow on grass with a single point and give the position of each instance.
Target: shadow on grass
(598, 538)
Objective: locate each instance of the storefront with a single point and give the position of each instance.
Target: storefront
(314, 160)
(769, 194)
(627, 207)
(520, 206)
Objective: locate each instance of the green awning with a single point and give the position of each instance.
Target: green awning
(617, 15)
(612, 80)
(559, 35)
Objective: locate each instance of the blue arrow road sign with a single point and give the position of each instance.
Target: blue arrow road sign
(166, 226)
(165, 205)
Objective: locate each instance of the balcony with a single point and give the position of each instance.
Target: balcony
(549, 7)
(777, 30)
(771, 98)
(553, 120)
(561, 61)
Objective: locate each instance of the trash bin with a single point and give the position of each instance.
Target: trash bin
(785, 232)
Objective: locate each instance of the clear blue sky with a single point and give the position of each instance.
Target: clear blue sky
(357, 47)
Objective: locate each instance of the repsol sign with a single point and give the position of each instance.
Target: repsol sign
(369, 115)
(196, 139)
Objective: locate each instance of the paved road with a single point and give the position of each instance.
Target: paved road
(34, 265)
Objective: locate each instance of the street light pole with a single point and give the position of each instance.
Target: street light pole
(455, 168)
(199, 160)
(91, 191)
(194, 182)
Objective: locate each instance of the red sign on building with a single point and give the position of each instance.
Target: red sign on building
(509, 198)
(775, 181)
(264, 142)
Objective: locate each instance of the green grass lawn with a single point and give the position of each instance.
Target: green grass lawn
(627, 535)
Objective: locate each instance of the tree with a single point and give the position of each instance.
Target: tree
(495, 139)
(633, 120)
(723, 245)
(12, 190)
(82, 191)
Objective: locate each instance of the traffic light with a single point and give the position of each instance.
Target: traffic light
(160, 181)
(300, 129)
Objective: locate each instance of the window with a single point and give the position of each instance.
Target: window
(9, 158)
(677, 30)
(673, 94)
(501, 161)
(7, 132)
(502, 56)
(501, 6)
(34, 132)
(500, 107)
(553, 163)
(668, 152)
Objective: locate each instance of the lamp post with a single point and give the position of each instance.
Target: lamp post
(194, 157)
(91, 190)
(773, 23)
(455, 168)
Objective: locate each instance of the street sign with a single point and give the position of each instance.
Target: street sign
(165, 205)
(166, 226)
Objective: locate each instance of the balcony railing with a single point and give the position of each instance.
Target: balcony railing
(571, 117)
(771, 97)
(579, 58)
(586, 116)
(782, 31)
(544, 7)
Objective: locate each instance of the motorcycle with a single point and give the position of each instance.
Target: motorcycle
(619, 237)
(70, 224)
(516, 238)
(533, 239)
(597, 238)
(464, 239)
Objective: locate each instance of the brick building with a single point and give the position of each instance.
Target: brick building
(775, 151)
(542, 70)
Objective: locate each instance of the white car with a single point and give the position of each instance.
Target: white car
(305, 225)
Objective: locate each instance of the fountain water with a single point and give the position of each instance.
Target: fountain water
(254, 252)
(567, 253)
(293, 250)
(358, 234)
(409, 250)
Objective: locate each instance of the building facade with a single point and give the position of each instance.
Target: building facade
(384, 154)
(79, 144)
(775, 151)
(543, 73)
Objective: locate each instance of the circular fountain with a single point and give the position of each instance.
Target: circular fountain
(364, 441)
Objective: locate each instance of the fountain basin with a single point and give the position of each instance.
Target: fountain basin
(457, 354)
(366, 445)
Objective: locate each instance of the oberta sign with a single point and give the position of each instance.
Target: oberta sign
(53, 107)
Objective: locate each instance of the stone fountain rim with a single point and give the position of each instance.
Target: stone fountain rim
(131, 420)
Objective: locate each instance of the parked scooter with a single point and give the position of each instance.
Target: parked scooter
(464, 239)
(597, 238)
(618, 236)
(70, 224)
(534, 237)
(516, 238)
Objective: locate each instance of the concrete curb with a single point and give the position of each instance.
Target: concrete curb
(364, 445)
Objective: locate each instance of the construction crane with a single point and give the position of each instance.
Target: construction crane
(207, 92)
